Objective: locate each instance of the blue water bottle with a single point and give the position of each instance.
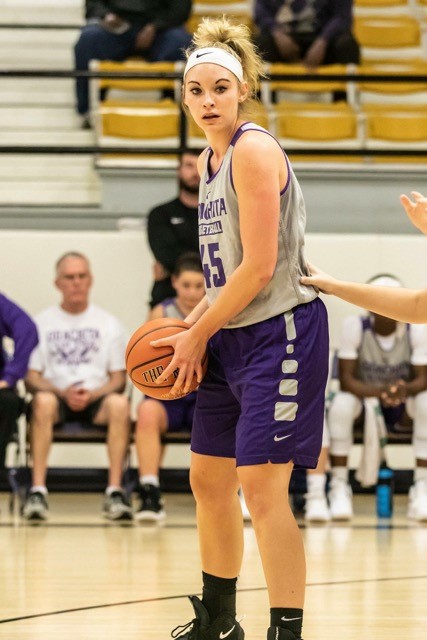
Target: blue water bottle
(384, 493)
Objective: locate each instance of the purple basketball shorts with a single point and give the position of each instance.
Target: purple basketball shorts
(262, 399)
(180, 412)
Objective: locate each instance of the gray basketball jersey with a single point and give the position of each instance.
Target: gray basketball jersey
(221, 247)
(377, 366)
(171, 309)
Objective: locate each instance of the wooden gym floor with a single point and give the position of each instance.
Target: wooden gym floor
(78, 577)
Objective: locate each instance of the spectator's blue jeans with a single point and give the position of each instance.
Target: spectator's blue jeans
(95, 43)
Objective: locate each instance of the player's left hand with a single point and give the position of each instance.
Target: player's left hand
(189, 348)
(318, 279)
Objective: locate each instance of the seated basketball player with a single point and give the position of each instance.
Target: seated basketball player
(77, 375)
(379, 358)
(404, 305)
(155, 417)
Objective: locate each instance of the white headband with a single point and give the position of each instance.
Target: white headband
(385, 281)
(215, 55)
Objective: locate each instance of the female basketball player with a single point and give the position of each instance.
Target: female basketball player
(405, 305)
(260, 406)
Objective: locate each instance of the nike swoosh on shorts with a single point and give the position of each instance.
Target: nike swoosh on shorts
(277, 438)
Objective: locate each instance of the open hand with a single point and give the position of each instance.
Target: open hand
(416, 211)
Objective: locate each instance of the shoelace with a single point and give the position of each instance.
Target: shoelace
(181, 629)
(192, 626)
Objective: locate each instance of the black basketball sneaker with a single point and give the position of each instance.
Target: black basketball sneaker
(223, 627)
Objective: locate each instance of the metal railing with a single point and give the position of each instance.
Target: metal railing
(349, 78)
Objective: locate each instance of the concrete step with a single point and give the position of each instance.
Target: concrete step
(43, 60)
(45, 138)
(37, 91)
(40, 39)
(13, 167)
(26, 193)
(40, 111)
(42, 12)
(37, 48)
(38, 118)
(32, 180)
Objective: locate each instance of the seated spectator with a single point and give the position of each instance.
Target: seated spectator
(77, 375)
(173, 228)
(312, 32)
(17, 325)
(116, 30)
(382, 367)
(155, 417)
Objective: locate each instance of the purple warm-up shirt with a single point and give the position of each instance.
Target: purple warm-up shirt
(15, 324)
(333, 17)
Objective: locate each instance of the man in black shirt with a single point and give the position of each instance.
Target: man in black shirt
(116, 29)
(173, 228)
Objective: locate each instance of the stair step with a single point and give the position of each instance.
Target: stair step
(32, 180)
(48, 193)
(63, 170)
(44, 165)
(44, 118)
(46, 138)
(37, 60)
(40, 39)
(37, 91)
(41, 111)
(42, 12)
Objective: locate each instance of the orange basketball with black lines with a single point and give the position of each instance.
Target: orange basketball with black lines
(145, 363)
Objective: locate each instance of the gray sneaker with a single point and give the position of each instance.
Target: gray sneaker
(116, 507)
(35, 507)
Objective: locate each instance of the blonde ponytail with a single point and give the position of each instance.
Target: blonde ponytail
(236, 40)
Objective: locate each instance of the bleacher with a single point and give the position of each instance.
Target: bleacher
(393, 43)
(60, 187)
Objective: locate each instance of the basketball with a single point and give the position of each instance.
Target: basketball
(145, 363)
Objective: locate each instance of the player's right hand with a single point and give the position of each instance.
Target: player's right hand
(318, 279)
(416, 211)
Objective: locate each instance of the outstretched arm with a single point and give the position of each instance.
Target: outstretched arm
(404, 305)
